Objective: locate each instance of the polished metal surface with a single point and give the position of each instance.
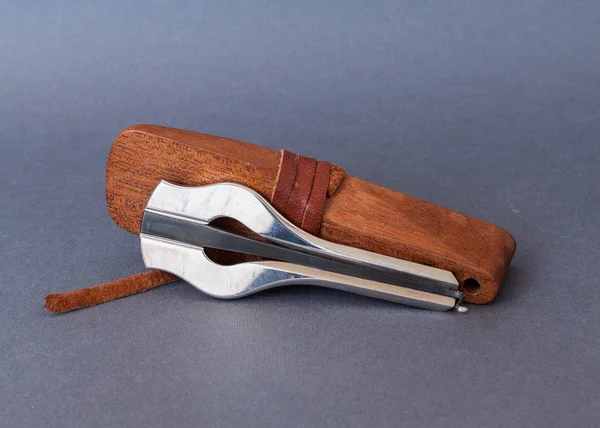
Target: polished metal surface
(175, 230)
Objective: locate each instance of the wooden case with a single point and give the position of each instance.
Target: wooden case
(358, 213)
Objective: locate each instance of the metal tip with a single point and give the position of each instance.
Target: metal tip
(461, 309)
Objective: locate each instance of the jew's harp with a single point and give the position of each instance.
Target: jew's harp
(176, 228)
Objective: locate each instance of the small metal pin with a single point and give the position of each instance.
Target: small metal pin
(461, 309)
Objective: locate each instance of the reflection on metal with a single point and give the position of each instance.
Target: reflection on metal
(175, 230)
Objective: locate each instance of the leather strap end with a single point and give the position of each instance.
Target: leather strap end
(335, 179)
(86, 297)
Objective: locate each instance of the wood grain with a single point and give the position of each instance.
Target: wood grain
(359, 213)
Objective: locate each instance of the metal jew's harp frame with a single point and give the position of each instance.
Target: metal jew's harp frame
(176, 229)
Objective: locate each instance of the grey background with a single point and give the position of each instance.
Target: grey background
(488, 108)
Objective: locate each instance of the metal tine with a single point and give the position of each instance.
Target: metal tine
(229, 282)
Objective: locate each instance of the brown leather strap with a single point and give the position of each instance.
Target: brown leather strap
(302, 186)
(305, 174)
(286, 175)
(300, 195)
(92, 296)
(313, 212)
